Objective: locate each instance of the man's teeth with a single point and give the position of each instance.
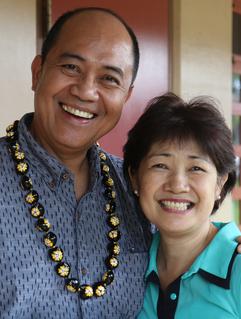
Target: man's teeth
(176, 205)
(77, 112)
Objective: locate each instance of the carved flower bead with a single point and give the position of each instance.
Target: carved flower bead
(99, 290)
(56, 254)
(37, 210)
(22, 167)
(114, 248)
(63, 269)
(114, 235)
(18, 155)
(113, 221)
(86, 291)
(32, 197)
(112, 262)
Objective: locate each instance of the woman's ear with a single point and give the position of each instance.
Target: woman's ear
(133, 179)
(220, 183)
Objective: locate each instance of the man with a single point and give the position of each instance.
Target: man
(65, 267)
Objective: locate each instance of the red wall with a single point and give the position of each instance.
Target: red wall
(149, 20)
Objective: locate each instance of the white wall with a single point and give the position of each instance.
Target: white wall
(17, 49)
(202, 56)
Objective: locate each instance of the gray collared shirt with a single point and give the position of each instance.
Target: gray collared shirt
(29, 286)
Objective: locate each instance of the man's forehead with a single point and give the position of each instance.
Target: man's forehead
(94, 19)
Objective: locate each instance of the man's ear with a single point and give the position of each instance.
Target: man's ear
(36, 68)
(129, 93)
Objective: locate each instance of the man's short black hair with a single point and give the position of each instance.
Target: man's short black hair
(54, 32)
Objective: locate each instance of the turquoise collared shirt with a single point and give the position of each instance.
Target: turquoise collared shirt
(210, 289)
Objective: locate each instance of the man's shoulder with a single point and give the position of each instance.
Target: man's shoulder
(116, 161)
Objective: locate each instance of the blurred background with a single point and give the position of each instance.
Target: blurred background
(190, 47)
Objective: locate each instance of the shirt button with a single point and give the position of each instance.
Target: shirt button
(52, 184)
(173, 296)
(65, 176)
(83, 271)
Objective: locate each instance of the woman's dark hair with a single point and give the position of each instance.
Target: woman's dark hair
(54, 32)
(169, 118)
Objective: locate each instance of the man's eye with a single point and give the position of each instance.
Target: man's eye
(70, 69)
(111, 79)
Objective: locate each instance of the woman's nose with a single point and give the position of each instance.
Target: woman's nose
(177, 183)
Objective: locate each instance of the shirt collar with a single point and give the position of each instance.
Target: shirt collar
(152, 267)
(214, 263)
(40, 158)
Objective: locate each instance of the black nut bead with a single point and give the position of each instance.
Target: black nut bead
(99, 289)
(56, 254)
(37, 210)
(109, 193)
(63, 269)
(72, 285)
(110, 207)
(86, 292)
(108, 181)
(114, 248)
(108, 277)
(105, 168)
(102, 157)
(32, 197)
(26, 183)
(111, 262)
(14, 146)
(43, 224)
(114, 235)
(11, 136)
(10, 127)
(50, 240)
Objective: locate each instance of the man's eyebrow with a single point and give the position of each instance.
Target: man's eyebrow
(72, 56)
(79, 57)
(115, 69)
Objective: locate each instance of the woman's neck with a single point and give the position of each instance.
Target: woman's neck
(176, 254)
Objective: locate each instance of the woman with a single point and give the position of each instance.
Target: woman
(181, 164)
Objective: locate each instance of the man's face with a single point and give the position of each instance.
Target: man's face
(83, 84)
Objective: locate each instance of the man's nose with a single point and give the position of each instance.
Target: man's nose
(85, 89)
(177, 182)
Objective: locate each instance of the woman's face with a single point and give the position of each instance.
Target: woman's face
(177, 186)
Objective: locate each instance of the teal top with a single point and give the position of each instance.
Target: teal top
(210, 289)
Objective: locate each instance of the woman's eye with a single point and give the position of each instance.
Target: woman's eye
(197, 169)
(160, 165)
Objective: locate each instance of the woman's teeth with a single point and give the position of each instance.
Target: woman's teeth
(77, 112)
(182, 206)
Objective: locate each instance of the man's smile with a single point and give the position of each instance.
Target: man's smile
(77, 112)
